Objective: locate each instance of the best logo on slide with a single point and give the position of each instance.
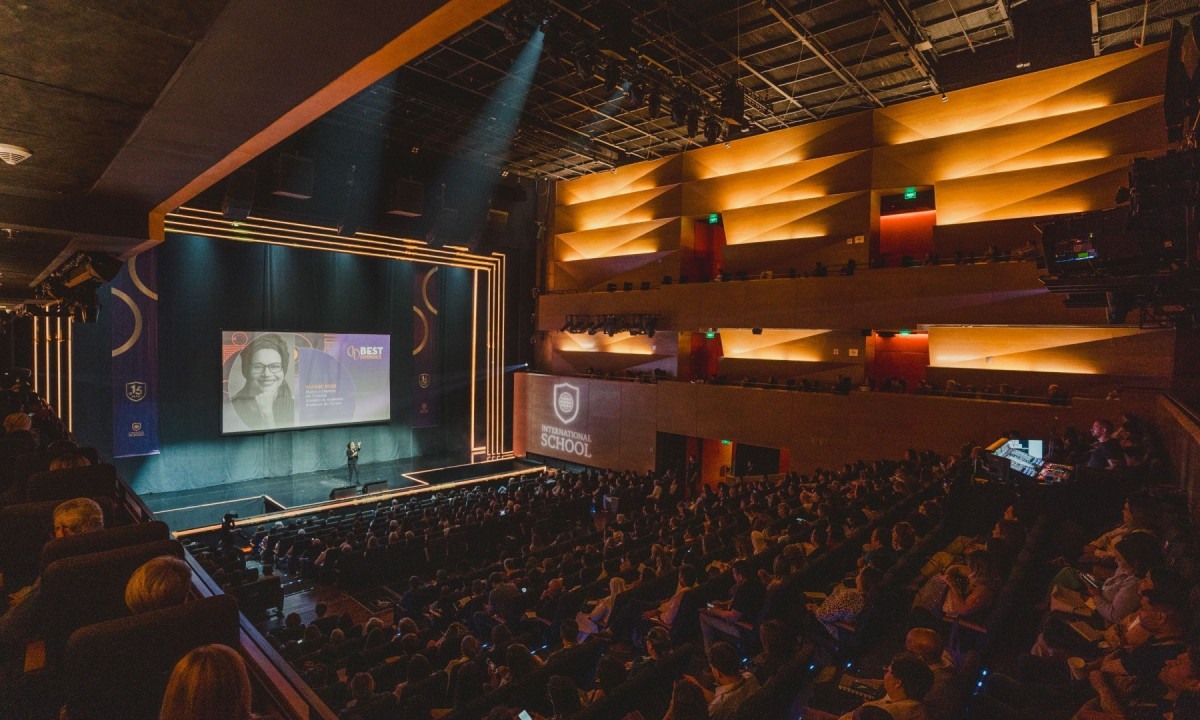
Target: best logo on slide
(365, 352)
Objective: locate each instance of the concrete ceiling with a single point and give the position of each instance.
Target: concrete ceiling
(130, 104)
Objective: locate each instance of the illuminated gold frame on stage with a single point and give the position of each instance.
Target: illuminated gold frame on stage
(488, 277)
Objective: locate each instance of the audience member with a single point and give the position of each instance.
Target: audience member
(209, 683)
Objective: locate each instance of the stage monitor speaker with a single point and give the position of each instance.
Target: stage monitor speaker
(239, 195)
(375, 487)
(407, 199)
(294, 177)
(346, 491)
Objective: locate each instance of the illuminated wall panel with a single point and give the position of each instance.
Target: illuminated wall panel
(845, 214)
(619, 210)
(1093, 83)
(802, 180)
(1054, 190)
(578, 353)
(1083, 350)
(782, 147)
(627, 179)
(1057, 140)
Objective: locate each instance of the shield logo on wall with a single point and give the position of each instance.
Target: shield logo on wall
(424, 380)
(135, 391)
(136, 427)
(566, 402)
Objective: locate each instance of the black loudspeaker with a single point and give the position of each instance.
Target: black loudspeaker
(375, 487)
(343, 492)
(407, 199)
(294, 176)
(239, 194)
(445, 228)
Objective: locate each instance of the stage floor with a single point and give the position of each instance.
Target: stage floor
(188, 509)
(302, 489)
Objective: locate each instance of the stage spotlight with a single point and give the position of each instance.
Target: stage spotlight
(712, 130)
(594, 327)
(693, 122)
(612, 77)
(679, 111)
(585, 62)
(654, 106)
(637, 96)
(568, 324)
(610, 325)
(650, 324)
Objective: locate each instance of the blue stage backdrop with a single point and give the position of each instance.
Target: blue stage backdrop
(206, 285)
(135, 356)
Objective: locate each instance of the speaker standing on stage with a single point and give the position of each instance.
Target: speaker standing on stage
(352, 449)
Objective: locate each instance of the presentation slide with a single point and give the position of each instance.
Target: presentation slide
(283, 380)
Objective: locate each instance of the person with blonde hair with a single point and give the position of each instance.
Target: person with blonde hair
(17, 422)
(209, 683)
(161, 582)
(595, 621)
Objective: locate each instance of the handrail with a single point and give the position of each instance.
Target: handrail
(831, 271)
(288, 692)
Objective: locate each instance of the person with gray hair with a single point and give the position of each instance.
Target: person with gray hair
(77, 517)
(161, 582)
(73, 517)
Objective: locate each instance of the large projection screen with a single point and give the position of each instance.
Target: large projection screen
(288, 380)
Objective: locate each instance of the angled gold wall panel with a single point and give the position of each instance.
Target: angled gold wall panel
(782, 147)
(1065, 90)
(621, 181)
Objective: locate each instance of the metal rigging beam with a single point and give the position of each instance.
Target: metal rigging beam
(784, 16)
(905, 28)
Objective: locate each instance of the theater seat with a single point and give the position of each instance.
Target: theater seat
(120, 668)
(72, 483)
(85, 589)
(109, 539)
(258, 597)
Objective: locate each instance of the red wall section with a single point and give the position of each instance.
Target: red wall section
(906, 234)
(902, 356)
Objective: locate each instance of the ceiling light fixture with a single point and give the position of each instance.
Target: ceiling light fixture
(13, 154)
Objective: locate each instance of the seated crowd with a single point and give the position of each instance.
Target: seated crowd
(77, 572)
(738, 586)
(889, 589)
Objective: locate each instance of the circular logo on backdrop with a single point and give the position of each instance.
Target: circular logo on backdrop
(352, 352)
(566, 403)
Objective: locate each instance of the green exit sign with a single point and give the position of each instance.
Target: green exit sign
(726, 442)
(710, 335)
(714, 218)
(910, 193)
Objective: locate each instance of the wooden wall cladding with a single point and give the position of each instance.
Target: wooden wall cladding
(577, 353)
(619, 210)
(1065, 90)
(820, 429)
(1080, 350)
(628, 179)
(993, 294)
(846, 214)
(1050, 142)
(782, 147)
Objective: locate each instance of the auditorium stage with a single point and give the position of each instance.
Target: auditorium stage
(269, 497)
